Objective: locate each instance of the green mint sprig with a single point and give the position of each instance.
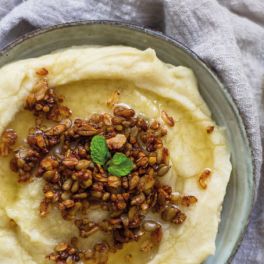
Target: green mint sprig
(99, 150)
(120, 165)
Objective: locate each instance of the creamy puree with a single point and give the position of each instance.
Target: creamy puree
(87, 77)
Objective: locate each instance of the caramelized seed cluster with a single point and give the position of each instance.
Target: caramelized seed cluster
(8, 140)
(75, 184)
(65, 253)
(44, 102)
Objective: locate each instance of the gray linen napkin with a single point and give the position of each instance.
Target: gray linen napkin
(227, 34)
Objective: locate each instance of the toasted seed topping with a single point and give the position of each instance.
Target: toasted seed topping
(61, 247)
(75, 183)
(167, 119)
(8, 140)
(210, 129)
(123, 112)
(163, 169)
(42, 72)
(116, 142)
(113, 99)
(203, 178)
(188, 200)
(44, 102)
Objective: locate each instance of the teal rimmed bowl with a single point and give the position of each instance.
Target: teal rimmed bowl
(240, 192)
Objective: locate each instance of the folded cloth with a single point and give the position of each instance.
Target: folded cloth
(227, 34)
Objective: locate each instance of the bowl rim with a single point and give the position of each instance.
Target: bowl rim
(178, 44)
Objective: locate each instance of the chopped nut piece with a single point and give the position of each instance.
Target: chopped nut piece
(114, 181)
(107, 119)
(65, 196)
(169, 213)
(82, 164)
(67, 185)
(83, 128)
(8, 140)
(147, 182)
(203, 178)
(49, 163)
(152, 160)
(155, 125)
(179, 218)
(210, 129)
(61, 247)
(80, 195)
(40, 89)
(49, 195)
(176, 198)
(116, 142)
(58, 113)
(113, 99)
(38, 141)
(167, 119)
(75, 187)
(42, 72)
(165, 156)
(138, 199)
(117, 120)
(68, 203)
(142, 161)
(70, 162)
(43, 209)
(23, 162)
(188, 200)
(124, 111)
(163, 195)
(133, 181)
(163, 169)
(56, 130)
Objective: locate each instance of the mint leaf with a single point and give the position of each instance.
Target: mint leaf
(120, 165)
(99, 150)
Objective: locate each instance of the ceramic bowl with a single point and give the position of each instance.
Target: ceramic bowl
(240, 192)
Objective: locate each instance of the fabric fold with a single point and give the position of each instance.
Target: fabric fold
(228, 35)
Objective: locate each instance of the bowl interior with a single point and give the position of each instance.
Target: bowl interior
(239, 196)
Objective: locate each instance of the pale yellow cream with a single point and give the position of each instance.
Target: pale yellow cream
(87, 77)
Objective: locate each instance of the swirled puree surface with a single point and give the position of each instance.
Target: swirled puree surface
(87, 78)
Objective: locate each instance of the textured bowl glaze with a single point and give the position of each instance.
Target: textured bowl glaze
(240, 192)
